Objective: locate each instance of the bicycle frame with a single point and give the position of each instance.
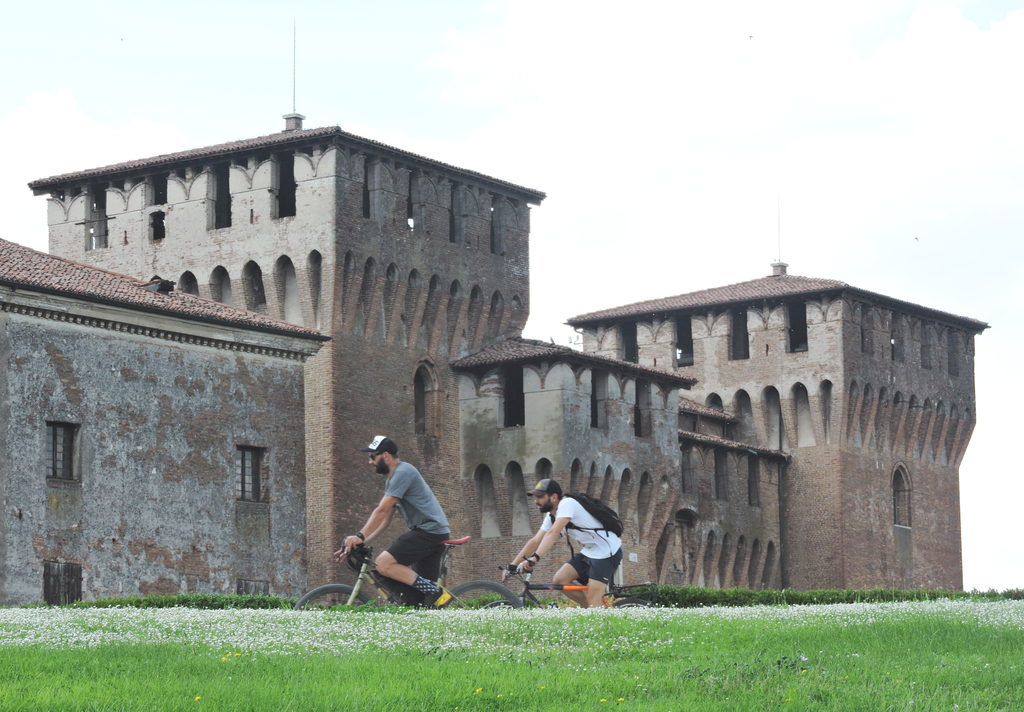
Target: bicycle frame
(368, 570)
(614, 590)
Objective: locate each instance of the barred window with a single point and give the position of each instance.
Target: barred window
(60, 442)
(247, 473)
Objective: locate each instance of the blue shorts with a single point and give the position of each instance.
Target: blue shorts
(598, 569)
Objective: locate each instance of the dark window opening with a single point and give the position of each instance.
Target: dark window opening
(60, 443)
(797, 313)
(420, 388)
(739, 341)
(753, 481)
(247, 473)
(453, 223)
(156, 226)
(684, 342)
(901, 499)
(160, 189)
(222, 196)
(515, 399)
(721, 475)
(497, 234)
(689, 486)
(409, 211)
(642, 409)
(952, 355)
(245, 587)
(286, 185)
(366, 187)
(929, 345)
(598, 396)
(629, 347)
(896, 341)
(62, 583)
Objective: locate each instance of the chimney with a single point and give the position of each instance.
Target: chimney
(293, 122)
(779, 269)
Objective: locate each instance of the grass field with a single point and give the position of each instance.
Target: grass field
(939, 655)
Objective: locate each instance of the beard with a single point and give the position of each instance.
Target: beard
(382, 467)
(547, 508)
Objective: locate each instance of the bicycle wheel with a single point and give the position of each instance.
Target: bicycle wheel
(632, 602)
(333, 594)
(484, 594)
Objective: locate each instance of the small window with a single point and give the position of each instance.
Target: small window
(598, 398)
(366, 186)
(247, 473)
(160, 189)
(156, 226)
(514, 398)
(222, 196)
(96, 223)
(753, 481)
(929, 345)
(286, 186)
(246, 587)
(684, 342)
(739, 337)
(721, 475)
(629, 348)
(901, 498)
(642, 409)
(797, 313)
(62, 583)
(952, 354)
(60, 444)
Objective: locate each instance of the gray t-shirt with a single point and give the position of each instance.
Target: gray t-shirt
(417, 504)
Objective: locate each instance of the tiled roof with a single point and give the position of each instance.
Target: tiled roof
(266, 142)
(690, 406)
(705, 439)
(764, 288)
(525, 350)
(24, 267)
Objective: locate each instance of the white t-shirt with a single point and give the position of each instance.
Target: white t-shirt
(599, 544)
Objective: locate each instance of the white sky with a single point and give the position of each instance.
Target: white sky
(665, 135)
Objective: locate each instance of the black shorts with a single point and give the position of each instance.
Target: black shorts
(421, 551)
(598, 569)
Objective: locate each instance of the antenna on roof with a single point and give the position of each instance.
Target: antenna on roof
(293, 121)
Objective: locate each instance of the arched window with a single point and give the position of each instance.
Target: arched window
(714, 401)
(426, 401)
(315, 265)
(188, 284)
(288, 290)
(220, 286)
(488, 504)
(255, 295)
(517, 496)
(901, 497)
(543, 468)
(422, 385)
(744, 430)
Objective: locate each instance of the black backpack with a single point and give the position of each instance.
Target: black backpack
(600, 511)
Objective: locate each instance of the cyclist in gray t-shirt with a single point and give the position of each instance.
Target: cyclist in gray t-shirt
(414, 558)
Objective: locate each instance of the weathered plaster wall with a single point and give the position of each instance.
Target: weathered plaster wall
(153, 508)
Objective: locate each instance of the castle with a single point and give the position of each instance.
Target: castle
(825, 461)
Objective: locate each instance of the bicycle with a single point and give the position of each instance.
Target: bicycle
(393, 592)
(616, 597)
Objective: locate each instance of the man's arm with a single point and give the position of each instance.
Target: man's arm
(377, 522)
(546, 541)
(528, 549)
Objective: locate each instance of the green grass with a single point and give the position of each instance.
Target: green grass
(910, 656)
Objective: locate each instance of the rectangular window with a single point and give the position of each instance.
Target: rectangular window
(684, 342)
(753, 482)
(721, 475)
(952, 355)
(96, 223)
(642, 409)
(366, 186)
(222, 196)
(248, 473)
(629, 347)
(797, 314)
(687, 478)
(514, 408)
(598, 396)
(286, 185)
(157, 231)
(160, 189)
(60, 445)
(245, 586)
(739, 341)
(62, 583)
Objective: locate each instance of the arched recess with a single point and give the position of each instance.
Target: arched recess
(425, 340)
(429, 400)
(188, 284)
(575, 475)
(745, 431)
(866, 408)
(913, 422)
(709, 560)
(220, 286)
(594, 483)
(755, 562)
(451, 321)
(608, 485)
(922, 429)
(954, 424)
(802, 408)
(825, 391)
(543, 468)
(626, 513)
(476, 309)
(287, 290)
(853, 395)
(867, 332)
(901, 497)
(880, 430)
(895, 417)
(643, 500)
(774, 424)
(495, 314)
(721, 480)
(723, 562)
(409, 314)
(488, 503)
(365, 295)
(388, 305)
(347, 280)
(315, 265)
(714, 401)
(517, 496)
(768, 572)
(929, 346)
(255, 294)
(738, 562)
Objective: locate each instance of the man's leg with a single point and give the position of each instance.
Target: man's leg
(387, 565)
(412, 547)
(567, 575)
(595, 593)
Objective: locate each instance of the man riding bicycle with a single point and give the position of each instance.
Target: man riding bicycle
(414, 558)
(595, 564)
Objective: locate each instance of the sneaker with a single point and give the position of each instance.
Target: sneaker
(438, 600)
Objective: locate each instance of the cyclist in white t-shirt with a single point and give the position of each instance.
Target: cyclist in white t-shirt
(600, 551)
